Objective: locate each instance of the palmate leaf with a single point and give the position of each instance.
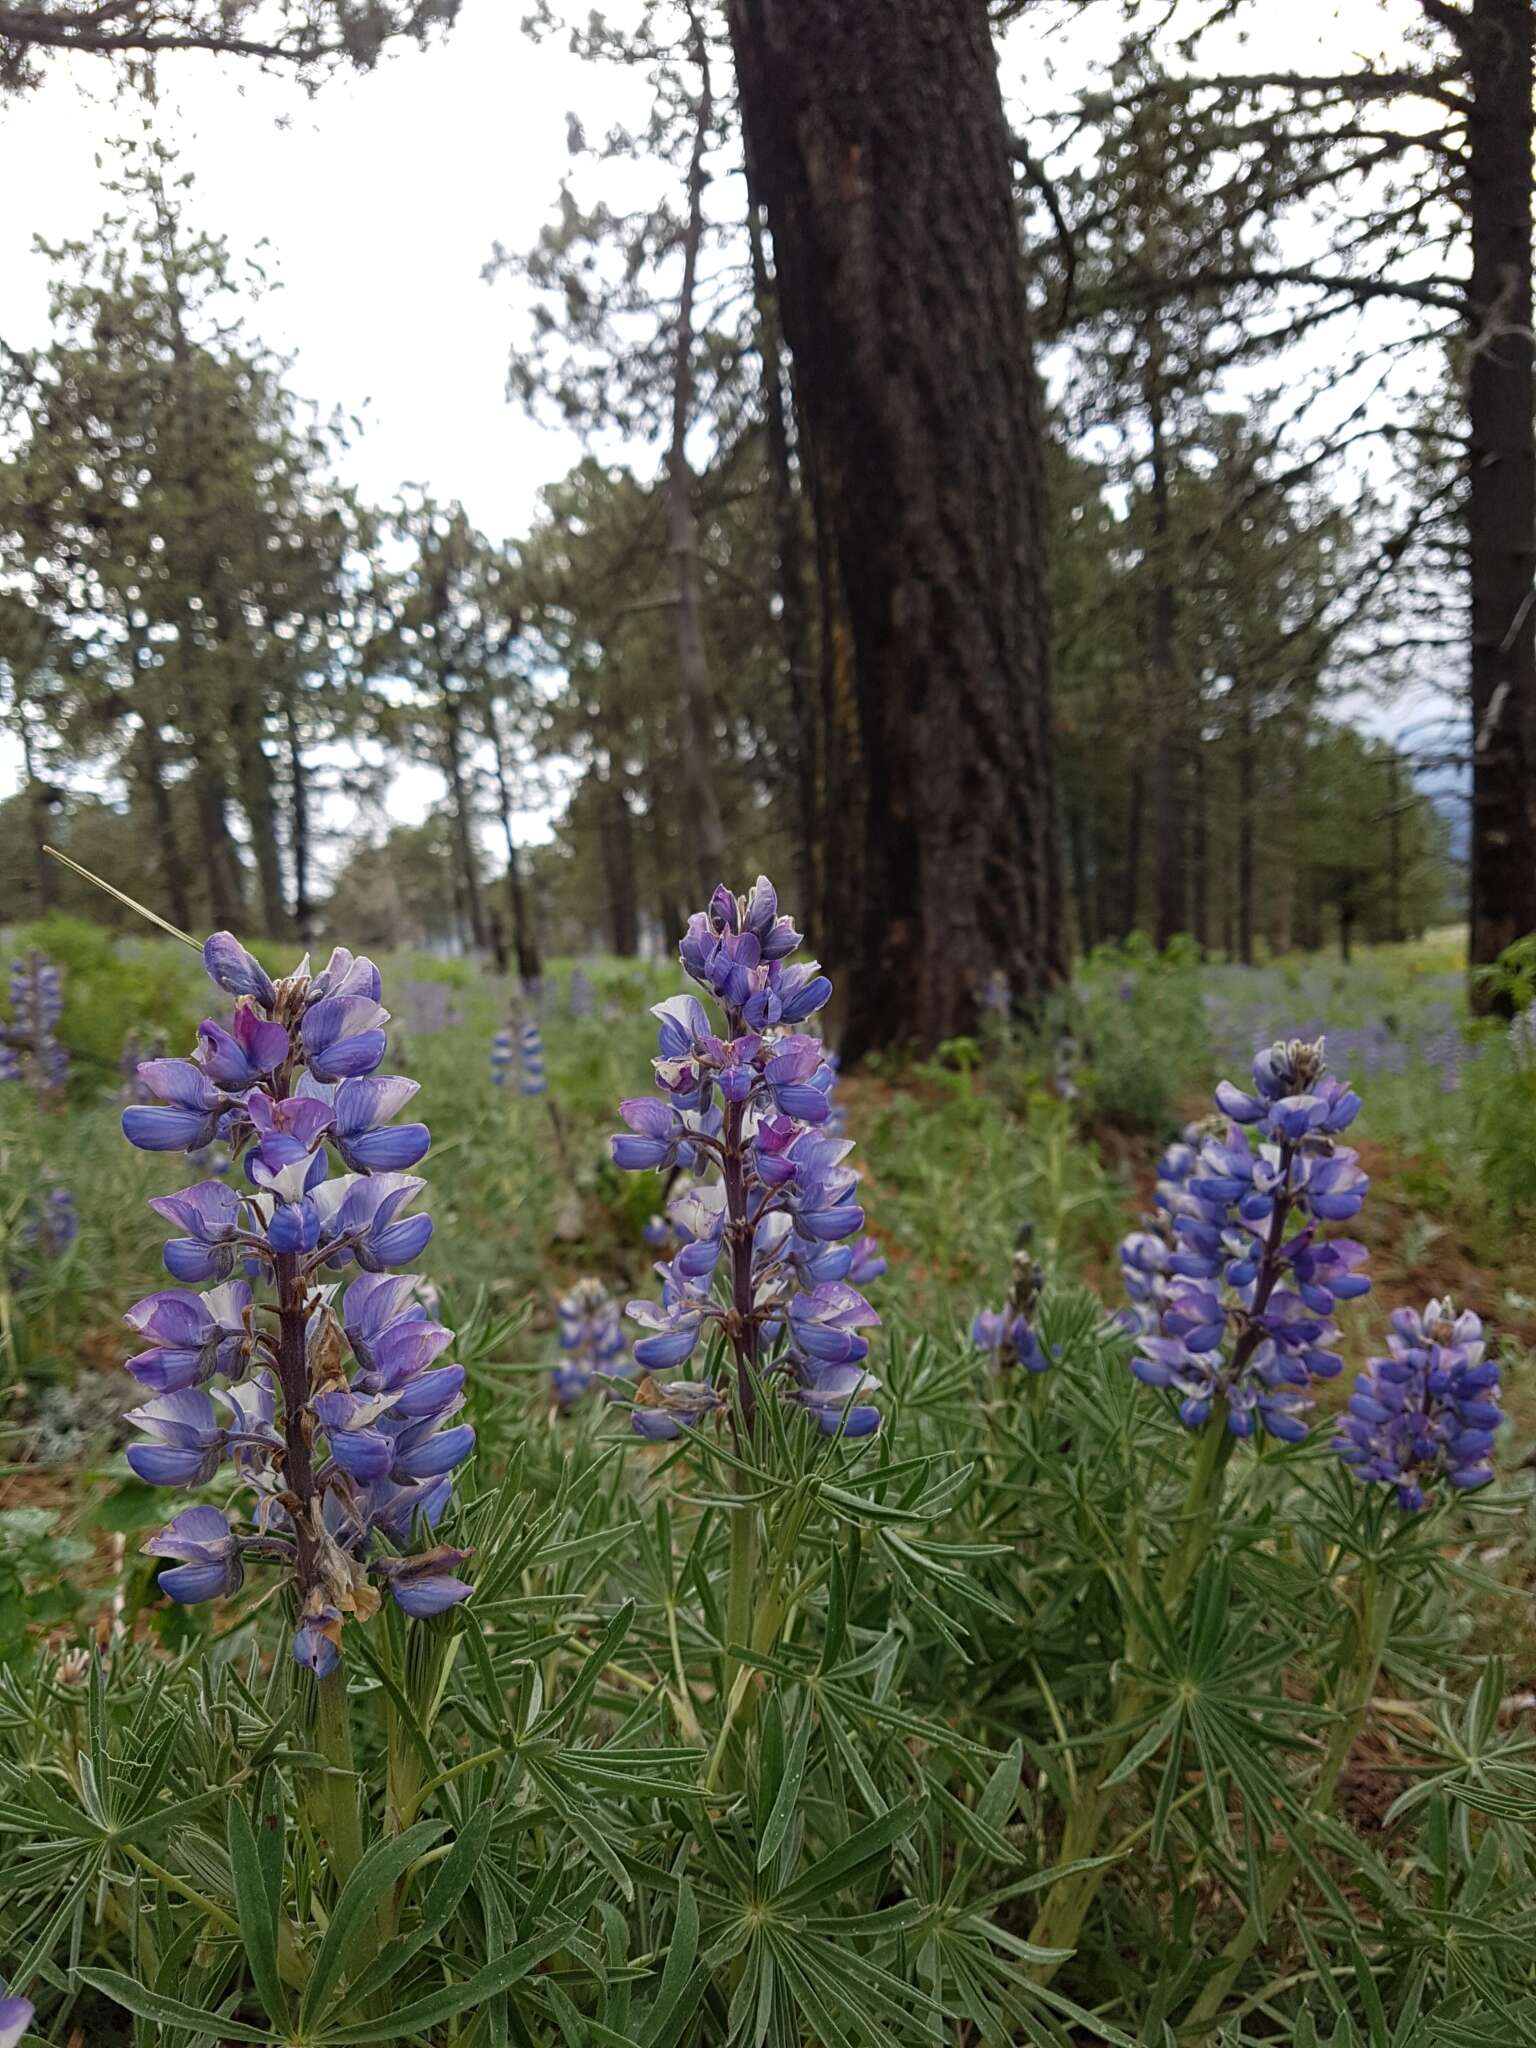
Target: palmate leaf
(383, 1865)
(453, 1878)
(426, 2013)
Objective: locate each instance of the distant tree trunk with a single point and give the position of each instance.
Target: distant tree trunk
(1500, 36)
(524, 940)
(699, 747)
(463, 836)
(1082, 893)
(298, 825)
(790, 549)
(1245, 800)
(617, 840)
(149, 773)
(1200, 880)
(1172, 892)
(879, 141)
(38, 803)
(258, 799)
(1395, 931)
(210, 787)
(1132, 900)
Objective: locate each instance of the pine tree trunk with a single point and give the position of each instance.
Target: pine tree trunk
(790, 549)
(149, 772)
(298, 825)
(1167, 707)
(1502, 505)
(1245, 801)
(617, 837)
(463, 836)
(524, 940)
(879, 141)
(699, 747)
(258, 799)
(37, 815)
(1135, 811)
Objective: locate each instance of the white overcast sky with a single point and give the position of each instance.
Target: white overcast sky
(378, 199)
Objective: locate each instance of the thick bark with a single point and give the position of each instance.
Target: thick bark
(298, 825)
(524, 939)
(699, 748)
(790, 550)
(463, 836)
(881, 151)
(1502, 503)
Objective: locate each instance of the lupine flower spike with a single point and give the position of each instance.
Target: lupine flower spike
(530, 1049)
(345, 1463)
(592, 1342)
(761, 1234)
(29, 1049)
(1245, 1319)
(1007, 1335)
(1429, 1411)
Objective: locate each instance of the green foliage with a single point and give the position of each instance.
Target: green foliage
(995, 1727)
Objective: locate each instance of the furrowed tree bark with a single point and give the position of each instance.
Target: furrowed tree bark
(790, 549)
(881, 151)
(708, 833)
(1502, 498)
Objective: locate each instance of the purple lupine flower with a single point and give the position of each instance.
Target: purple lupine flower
(29, 1046)
(16, 2015)
(208, 1551)
(501, 1056)
(530, 1053)
(1147, 1254)
(331, 1457)
(1427, 1412)
(1008, 1339)
(592, 1341)
(1246, 1294)
(760, 1247)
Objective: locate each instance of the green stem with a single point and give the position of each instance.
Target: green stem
(1067, 1902)
(332, 1794)
(740, 1604)
(1372, 1622)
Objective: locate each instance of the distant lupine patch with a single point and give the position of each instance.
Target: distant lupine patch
(29, 1048)
(582, 1002)
(592, 1342)
(344, 1468)
(427, 1007)
(43, 1232)
(762, 1255)
(1429, 1411)
(1253, 1282)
